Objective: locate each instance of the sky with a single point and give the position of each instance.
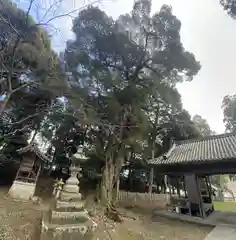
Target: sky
(207, 31)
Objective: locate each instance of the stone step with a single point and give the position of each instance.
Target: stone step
(52, 235)
(71, 231)
(69, 217)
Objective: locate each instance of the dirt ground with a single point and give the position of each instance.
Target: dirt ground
(140, 226)
(21, 221)
(18, 220)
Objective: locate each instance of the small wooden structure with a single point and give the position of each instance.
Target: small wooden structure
(195, 160)
(26, 178)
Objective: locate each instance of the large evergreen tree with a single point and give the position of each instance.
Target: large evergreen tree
(118, 68)
(31, 76)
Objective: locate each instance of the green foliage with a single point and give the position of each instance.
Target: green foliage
(229, 111)
(229, 6)
(123, 75)
(60, 128)
(120, 100)
(31, 75)
(25, 51)
(202, 126)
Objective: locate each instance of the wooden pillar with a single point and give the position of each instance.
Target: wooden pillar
(151, 180)
(178, 186)
(117, 188)
(151, 175)
(184, 187)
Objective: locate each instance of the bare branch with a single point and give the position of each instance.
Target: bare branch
(8, 21)
(14, 132)
(68, 14)
(50, 8)
(28, 11)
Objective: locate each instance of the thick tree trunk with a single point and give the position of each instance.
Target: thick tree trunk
(108, 176)
(117, 189)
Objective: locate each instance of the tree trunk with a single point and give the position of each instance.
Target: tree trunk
(117, 189)
(109, 178)
(107, 183)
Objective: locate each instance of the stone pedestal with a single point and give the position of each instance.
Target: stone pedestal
(67, 218)
(22, 190)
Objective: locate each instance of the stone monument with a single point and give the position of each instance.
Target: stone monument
(67, 219)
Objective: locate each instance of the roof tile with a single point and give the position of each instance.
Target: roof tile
(213, 148)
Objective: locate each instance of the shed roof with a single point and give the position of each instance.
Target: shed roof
(208, 149)
(33, 148)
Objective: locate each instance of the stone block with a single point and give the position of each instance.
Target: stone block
(22, 190)
(69, 205)
(70, 215)
(67, 196)
(71, 188)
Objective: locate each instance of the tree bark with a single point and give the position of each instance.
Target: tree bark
(107, 182)
(117, 189)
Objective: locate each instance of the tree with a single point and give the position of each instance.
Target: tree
(26, 56)
(229, 6)
(30, 70)
(115, 68)
(202, 126)
(229, 111)
(31, 77)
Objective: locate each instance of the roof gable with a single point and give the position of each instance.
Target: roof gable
(33, 148)
(208, 149)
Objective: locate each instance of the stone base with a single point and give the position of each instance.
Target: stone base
(74, 216)
(58, 235)
(76, 231)
(22, 190)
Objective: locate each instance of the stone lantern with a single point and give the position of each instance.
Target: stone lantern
(67, 218)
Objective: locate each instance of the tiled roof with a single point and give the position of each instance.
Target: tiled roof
(36, 150)
(213, 148)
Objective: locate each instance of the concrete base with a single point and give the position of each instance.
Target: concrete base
(221, 232)
(227, 219)
(22, 190)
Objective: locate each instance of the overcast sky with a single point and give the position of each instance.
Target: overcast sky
(207, 31)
